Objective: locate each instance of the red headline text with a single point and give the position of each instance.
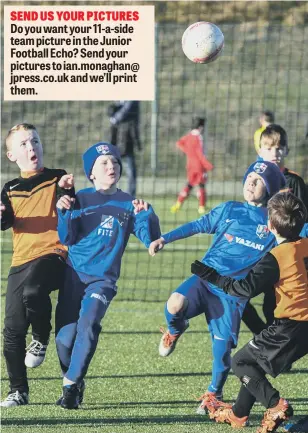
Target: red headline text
(75, 15)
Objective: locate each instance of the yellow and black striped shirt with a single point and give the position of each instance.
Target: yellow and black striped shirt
(30, 209)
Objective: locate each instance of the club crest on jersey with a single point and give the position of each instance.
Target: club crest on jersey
(262, 231)
(123, 218)
(260, 167)
(103, 149)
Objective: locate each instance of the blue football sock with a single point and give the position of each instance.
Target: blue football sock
(175, 322)
(221, 364)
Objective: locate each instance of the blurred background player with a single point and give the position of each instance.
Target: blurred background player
(197, 165)
(273, 147)
(266, 118)
(124, 117)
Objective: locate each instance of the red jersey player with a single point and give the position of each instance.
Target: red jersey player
(197, 165)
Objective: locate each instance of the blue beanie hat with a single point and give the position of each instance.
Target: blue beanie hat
(273, 178)
(98, 149)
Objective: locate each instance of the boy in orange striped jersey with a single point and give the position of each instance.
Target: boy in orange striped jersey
(28, 206)
(197, 165)
(273, 147)
(283, 342)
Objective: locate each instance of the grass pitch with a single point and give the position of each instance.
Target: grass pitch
(129, 387)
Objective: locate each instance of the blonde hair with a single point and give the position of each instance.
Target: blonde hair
(274, 135)
(16, 128)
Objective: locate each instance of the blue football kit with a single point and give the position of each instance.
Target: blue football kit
(96, 230)
(241, 238)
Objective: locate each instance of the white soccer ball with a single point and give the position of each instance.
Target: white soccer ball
(202, 42)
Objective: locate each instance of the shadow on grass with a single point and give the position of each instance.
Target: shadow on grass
(181, 419)
(156, 375)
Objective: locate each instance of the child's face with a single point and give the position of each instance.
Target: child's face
(105, 172)
(272, 153)
(26, 150)
(254, 189)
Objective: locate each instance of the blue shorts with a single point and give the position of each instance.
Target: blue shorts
(223, 313)
(74, 297)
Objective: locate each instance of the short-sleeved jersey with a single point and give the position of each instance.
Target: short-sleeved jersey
(30, 202)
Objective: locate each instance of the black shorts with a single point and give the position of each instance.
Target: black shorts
(40, 276)
(279, 345)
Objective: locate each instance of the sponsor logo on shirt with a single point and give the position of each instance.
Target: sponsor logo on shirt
(106, 225)
(229, 237)
(14, 186)
(249, 244)
(245, 242)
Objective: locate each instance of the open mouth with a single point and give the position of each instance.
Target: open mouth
(34, 158)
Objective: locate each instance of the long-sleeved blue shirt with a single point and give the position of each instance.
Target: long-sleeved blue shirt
(241, 238)
(97, 231)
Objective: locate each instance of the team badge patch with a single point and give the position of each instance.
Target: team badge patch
(107, 221)
(260, 167)
(262, 231)
(103, 149)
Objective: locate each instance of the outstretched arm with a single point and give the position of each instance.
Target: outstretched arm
(208, 223)
(261, 278)
(146, 226)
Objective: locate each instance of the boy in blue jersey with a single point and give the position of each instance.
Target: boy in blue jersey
(241, 238)
(96, 229)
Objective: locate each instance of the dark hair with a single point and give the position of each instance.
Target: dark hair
(197, 122)
(287, 214)
(269, 116)
(275, 135)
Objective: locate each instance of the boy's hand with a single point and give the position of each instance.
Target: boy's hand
(66, 181)
(2, 209)
(65, 202)
(201, 270)
(156, 246)
(140, 205)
